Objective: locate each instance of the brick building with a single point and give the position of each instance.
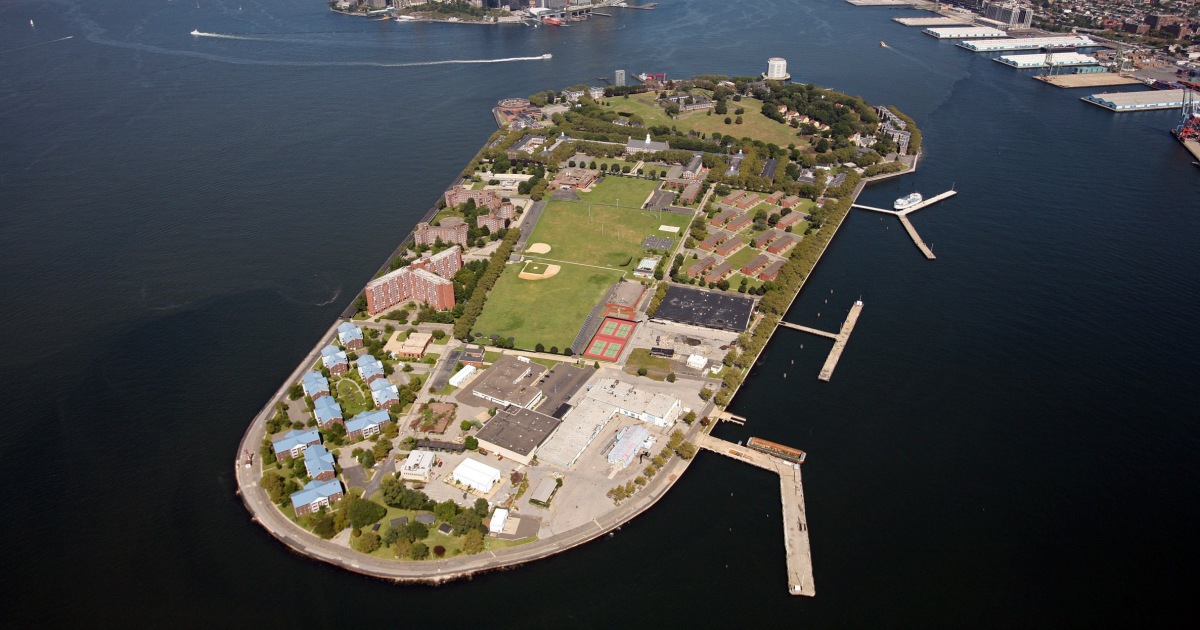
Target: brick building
(452, 230)
(425, 281)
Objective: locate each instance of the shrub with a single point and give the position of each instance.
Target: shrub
(439, 551)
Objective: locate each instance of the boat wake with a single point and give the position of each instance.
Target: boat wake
(223, 36)
(378, 64)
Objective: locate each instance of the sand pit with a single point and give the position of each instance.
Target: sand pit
(538, 248)
(547, 271)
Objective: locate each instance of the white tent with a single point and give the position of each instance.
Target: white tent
(499, 520)
(476, 475)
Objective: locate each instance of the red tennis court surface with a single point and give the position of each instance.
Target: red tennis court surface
(610, 340)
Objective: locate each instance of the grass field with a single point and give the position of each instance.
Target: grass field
(535, 267)
(548, 311)
(604, 235)
(352, 398)
(754, 124)
(742, 256)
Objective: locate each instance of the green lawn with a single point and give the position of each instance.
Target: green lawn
(640, 357)
(741, 257)
(754, 124)
(548, 311)
(352, 397)
(604, 235)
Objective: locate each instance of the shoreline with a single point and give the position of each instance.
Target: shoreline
(301, 541)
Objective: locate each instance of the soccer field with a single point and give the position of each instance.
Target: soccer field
(592, 232)
(548, 311)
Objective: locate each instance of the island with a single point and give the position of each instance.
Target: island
(541, 359)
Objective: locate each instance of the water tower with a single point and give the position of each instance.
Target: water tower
(777, 70)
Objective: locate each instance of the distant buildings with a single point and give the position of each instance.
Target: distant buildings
(425, 280)
(418, 466)
(414, 346)
(628, 445)
(369, 368)
(384, 393)
(659, 409)
(574, 178)
(516, 433)
(619, 78)
(645, 146)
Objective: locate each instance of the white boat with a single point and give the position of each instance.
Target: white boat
(547, 56)
(907, 202)
(195, 31)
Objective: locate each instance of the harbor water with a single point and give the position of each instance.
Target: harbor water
(1009, 438)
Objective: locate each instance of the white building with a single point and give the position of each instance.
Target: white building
(619, 78)
(696, 362)
(658, 409)
(777, 69)
(629, 443)
(462, 375)
(476, 475)
(418, 466)
(499, 520)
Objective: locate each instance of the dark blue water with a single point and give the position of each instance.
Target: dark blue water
(1010, 438)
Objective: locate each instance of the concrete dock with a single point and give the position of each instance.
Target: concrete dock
(791, 491)
(839, 338)
(1138, 101)
(941, 20)
(1090, 79)
(908, 226)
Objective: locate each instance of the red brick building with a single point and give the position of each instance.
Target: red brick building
(425, 281)
(452, 230)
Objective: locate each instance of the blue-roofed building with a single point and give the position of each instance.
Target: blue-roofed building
(318, 462)
(327, 411)
(366, 424)
(384, 393)
(350, 336)
(369, 368)
(316, 385)
(335, 359)
(316, 495)
(294, 443)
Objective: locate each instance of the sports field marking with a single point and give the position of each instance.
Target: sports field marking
(611, 351)
(547, 271)
(597, 347)
(623, 331)
(538, 248)
(608, 328)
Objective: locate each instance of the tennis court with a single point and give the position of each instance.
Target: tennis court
(610, 340)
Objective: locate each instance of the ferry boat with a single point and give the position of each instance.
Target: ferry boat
(547, 56)
(553, 21)
(195, 31)
(907, 202)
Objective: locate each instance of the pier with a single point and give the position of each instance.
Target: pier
(791, 491)
(1090, 79)
(1138, 101)
(941, 20)
(908, 226)
(839, 338)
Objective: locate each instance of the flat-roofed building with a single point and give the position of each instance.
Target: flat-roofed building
(516, 433)
(510, 381)
(629, 443)
(463, 375)
(415, 346)
(425, 280)
(580, 427)
(418, 466)
(659, 409)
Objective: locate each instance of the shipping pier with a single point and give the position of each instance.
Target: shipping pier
(908, 226)
(840, 339)
(791, 490)
(940, 20)
(1138, 101)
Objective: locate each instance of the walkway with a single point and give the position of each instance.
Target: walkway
(908, 226)
(795, 524)
(839, 338)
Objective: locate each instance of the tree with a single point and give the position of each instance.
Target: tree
(670, 377)
(473, 542)
(419, 551)
(596, 365)
(471, 443)
(642, 371)
(363, 512)
(439, 551)
(273, 484)
(728, 120)
(445, 511)
(553, 349)
(687, 450)
(417, 531)
(737, 120)
(367, 460)
(465, 425)
(706, 393)
(439, 334)
(481, 507)
(368, 542)
(539, 348)
(689, 417)
(325, 527)
(296, 392)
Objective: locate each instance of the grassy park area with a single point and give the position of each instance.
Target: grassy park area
(754, 124)
(518, 308)
(593, 232)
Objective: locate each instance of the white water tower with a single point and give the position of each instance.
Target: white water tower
(777, 70)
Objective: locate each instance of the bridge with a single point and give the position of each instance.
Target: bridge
(791, 490)
(908, 226)
(839, 338)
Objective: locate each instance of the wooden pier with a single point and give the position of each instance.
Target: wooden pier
(839, 338)
(908, 226)
(791, 491)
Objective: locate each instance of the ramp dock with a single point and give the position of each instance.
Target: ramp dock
(839, 338)
(791, 492)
